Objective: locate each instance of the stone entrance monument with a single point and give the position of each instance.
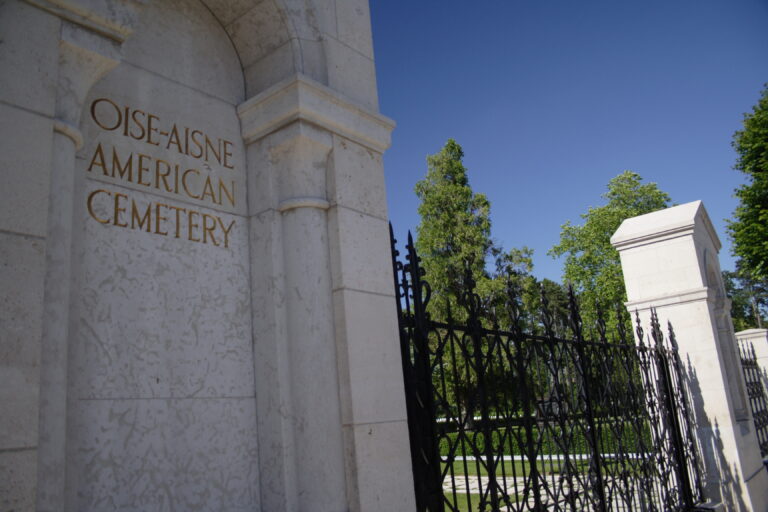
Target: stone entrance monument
(670, 263)
(196, 297)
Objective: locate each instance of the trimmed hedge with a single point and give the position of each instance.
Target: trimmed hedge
(620, 437)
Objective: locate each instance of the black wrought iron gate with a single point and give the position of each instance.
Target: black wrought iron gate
(502, 419)
(754, 379)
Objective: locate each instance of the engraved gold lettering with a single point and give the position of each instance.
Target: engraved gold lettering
(90, 204)
(162, 175)
(98, 155)
(215, 150)
(173, 139)
(178, 217)
(208, 230)
(125, 121)
(146, 127)
(184, 182)
(140, 221)
(229, 193)
(226, 231)
(208, 190)
(128, 167)
(159, 218)
(142, 169)
(197, 143)
(118, 210)
(98, 121)
(227, 154)
(139, 124)
(191, 225)
(151, 129)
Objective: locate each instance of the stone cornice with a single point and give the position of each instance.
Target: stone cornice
(656, 236)
(302, 99)
(694, 295)
(752, 334)
(675, 222)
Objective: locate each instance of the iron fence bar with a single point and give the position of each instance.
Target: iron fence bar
(756, 394)
(473, 307)
(667, 394)
(434, 481)
(633, 362)
(655, 404)
(582, 364)
(550, 343)
(525, 394)
(687, 420)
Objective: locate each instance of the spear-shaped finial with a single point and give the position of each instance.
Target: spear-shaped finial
(546, 316)
(639, 329)
(574, 316)
(620, 327)
(600, 324)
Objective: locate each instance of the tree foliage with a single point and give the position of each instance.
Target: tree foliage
(592, 265)
(749, 229)
(749, 300)
(454, 234)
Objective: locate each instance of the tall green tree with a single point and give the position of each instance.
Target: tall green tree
(453, 240)
(592, 265)
(749, 229)
(454, 234)
(513, 280)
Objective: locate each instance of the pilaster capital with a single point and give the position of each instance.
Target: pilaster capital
(300, 98)
(84, 57)
(703, 294)
(114, 19)
(90, 45)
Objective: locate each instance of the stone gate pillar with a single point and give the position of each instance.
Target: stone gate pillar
(669, 260)
(330, 401)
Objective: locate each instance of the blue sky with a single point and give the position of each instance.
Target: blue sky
(550, 99)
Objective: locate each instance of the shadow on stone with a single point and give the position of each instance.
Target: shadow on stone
(721, 481)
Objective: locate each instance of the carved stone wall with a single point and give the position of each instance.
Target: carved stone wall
(197, 310)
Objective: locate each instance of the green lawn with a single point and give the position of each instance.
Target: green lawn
(549, 440)
(515, 468)
(510, 470)
(465, 501)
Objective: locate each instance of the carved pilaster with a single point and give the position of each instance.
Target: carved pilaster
(85, 55)
(334, 411)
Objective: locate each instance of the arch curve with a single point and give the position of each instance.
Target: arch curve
(274, 39)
